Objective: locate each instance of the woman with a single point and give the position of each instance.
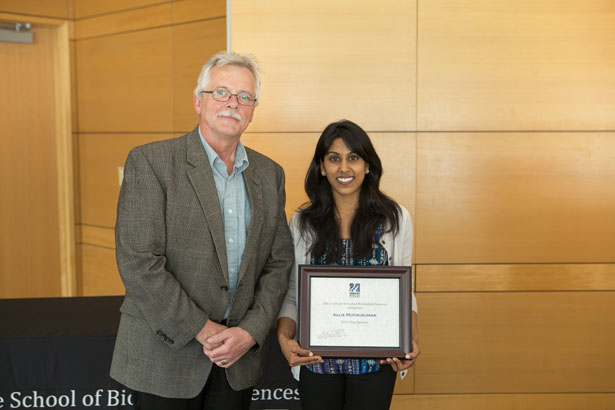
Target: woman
(347, 221)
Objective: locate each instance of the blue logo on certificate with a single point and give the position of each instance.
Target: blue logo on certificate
(355, 290)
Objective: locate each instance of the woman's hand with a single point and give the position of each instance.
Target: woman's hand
(403, 364)
(295, 355)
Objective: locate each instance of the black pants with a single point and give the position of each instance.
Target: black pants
(370, 391)
(216, 395)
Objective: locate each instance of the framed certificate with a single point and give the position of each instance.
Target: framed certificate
(355, 311)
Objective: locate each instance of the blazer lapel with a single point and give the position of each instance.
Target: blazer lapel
(202, 180)
(255, 193)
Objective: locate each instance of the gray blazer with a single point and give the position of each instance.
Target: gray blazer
(171, 256)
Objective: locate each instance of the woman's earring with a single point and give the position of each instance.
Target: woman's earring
(322, 172)
(367, 171)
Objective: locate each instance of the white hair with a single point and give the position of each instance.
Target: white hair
(228, 58)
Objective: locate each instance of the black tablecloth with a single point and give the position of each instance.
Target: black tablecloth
(56, 353)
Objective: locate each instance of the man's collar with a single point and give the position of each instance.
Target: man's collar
(241, 157)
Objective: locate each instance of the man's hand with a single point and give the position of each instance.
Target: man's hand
(295, 354)
(210, 329)
(231, 344)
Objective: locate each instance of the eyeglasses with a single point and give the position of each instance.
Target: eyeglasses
(224, 95)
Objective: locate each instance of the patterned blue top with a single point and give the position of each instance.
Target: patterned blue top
(351, 366)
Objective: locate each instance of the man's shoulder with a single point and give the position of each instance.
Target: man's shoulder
(164, 145)
(262, 160)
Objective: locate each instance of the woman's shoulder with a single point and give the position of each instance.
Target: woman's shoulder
(295, 222)
(294, 219)
(403, 212)
(404, 220)
(300, 239)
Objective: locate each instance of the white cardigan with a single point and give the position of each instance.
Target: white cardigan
(398, 247)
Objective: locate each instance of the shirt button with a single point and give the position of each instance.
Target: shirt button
(231, 240)
(230, 211)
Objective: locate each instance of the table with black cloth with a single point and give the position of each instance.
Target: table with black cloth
(56, 353)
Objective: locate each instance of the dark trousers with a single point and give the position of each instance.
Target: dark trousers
(370, 391)
(216, 395)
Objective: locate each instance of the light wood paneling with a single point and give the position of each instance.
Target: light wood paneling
(85, 8)
(192, 10)
(76, 179)
(515, 197)
(101, 155)
(79, 261)
(405, 386)
(98, 236)
(124, 82)
(77, 234)
(535, 342)
(130, 20)
(397, 151)
(193, 44)
(516, 65)
(324, 61)
(47, 8)
(505, 402)
(100, 276)
(29, 214)
(468, 278)
(64, 159)
(75, 135)
(71, 12)
(73, 85)
(36, 21)
(294, 153)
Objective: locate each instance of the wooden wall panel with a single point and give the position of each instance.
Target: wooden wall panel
(64, 158)
(193, 44)
(29, 213)
(405, 385)
(324, 61)
(98, 236)
(516, 65)
(86, 8)
(73, 87)
(193, 10)
(46, 8)
(125, 82)
(516, 342)
(515, 197)
(75, 135)
(544, 277)
(125, 21)
(294, 153)
(505, 402)
(101, 155)
(100, 276)
(397, 151)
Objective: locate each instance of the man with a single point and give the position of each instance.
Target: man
(204, 252)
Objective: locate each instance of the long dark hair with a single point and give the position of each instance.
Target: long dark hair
(317, 218)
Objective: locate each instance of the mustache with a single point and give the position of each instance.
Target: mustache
(230, 113)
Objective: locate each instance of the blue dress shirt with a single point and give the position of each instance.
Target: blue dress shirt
(235, 207)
